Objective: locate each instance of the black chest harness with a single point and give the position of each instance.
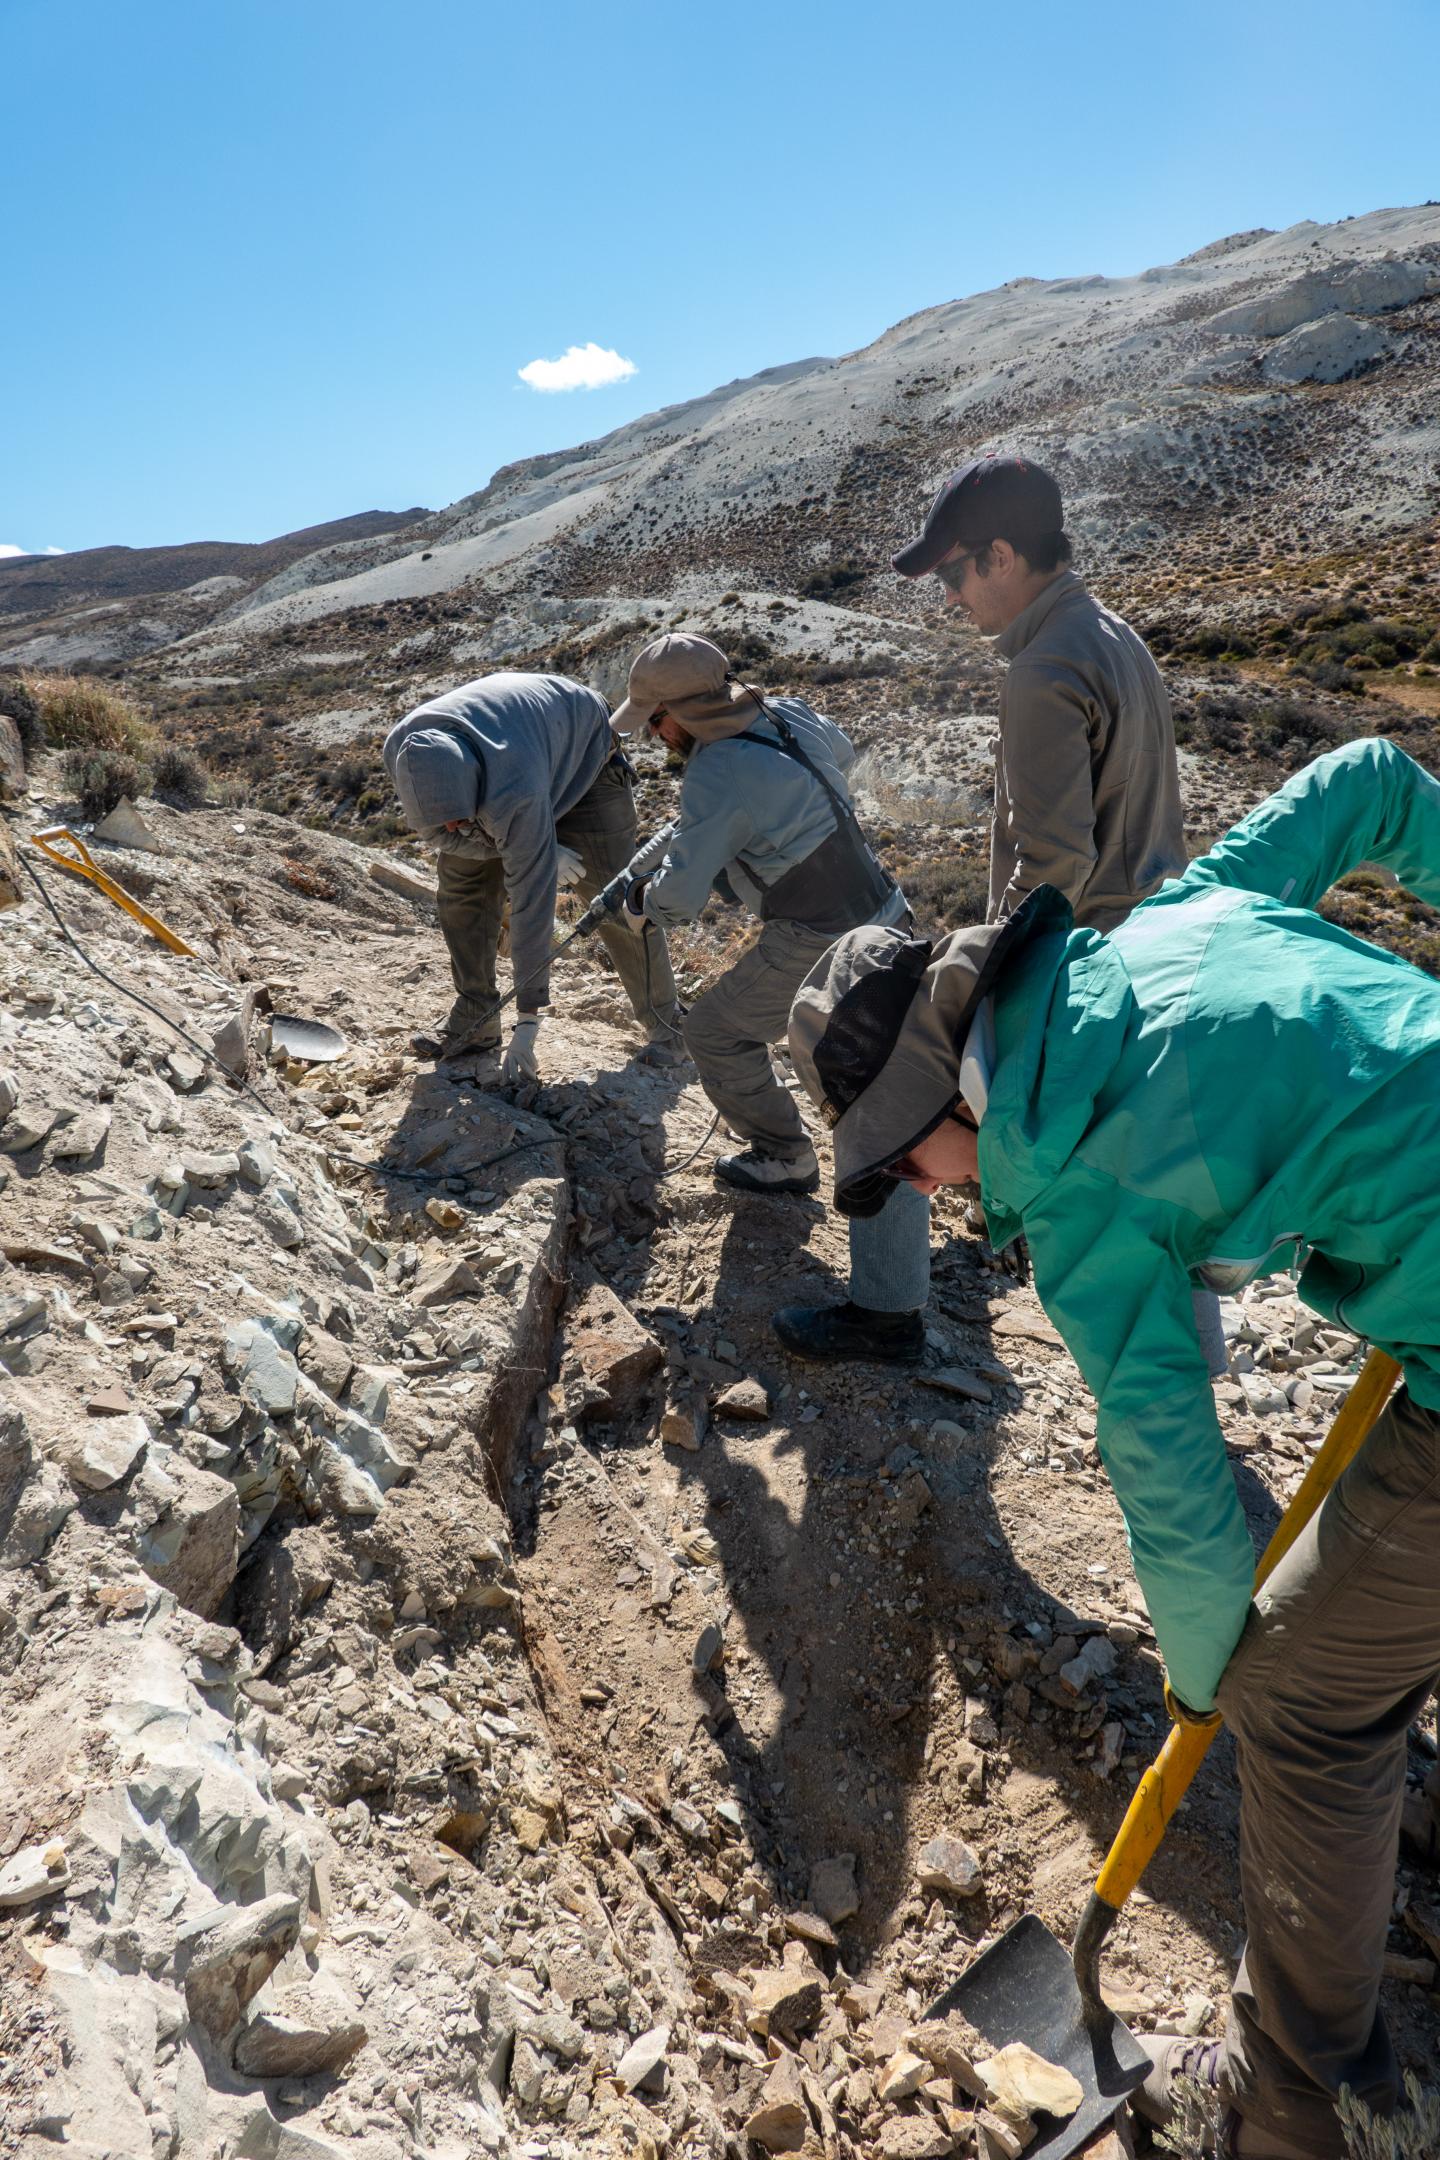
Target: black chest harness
(841, 883)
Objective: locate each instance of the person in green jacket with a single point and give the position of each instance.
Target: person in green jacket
(1224, 1086)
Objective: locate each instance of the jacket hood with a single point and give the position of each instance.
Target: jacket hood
(877, 1031)
(438, 779)
(1063, 1014)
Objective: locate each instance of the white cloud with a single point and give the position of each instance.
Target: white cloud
(54, 551)
(581, 367)
(8, 548)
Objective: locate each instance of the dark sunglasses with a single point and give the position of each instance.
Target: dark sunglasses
(951, 572)
(653, 723)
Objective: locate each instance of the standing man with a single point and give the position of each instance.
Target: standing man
(502, 774)
(1087, 800)
(765, 809)
(1223, 1086)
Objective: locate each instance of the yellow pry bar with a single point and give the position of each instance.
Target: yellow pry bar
(82, 864)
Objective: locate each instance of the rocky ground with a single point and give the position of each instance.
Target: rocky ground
(467, 1690)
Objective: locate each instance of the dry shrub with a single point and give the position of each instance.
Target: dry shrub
(101, 778)
(179, 777)
(308, 878)
(80, 713)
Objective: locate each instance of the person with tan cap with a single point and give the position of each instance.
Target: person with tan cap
(1224, 1086)
(1087, 800)
(764, 808)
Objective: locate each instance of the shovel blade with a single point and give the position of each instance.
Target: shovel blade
(1024, 1988)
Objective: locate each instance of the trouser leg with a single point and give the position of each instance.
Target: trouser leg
(601, 829)
(470, 904)
(1210, 1331)
(729, 1028)
(890, 1254)
(1339, 1655)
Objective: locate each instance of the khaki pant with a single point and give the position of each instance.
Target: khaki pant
(601, 829)
(729, 1029)
(1338, 1657)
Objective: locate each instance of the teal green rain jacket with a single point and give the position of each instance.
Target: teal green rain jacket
(1224, 1086)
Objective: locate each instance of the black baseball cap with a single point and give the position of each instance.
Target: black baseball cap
(991, 498)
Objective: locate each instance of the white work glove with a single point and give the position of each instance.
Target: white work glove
(632, 908)
(569, 869)
(519, 1060)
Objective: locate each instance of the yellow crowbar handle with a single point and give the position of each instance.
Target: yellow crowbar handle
(1167, 1781)
(83, 864)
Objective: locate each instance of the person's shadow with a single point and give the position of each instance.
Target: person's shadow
(897, 1630)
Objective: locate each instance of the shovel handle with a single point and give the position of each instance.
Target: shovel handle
(1167, 1781)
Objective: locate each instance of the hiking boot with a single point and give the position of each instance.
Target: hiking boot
(1232, 2137)
(1170, 2059)
(750, 1172)
(443, 1044)
(851, 1331)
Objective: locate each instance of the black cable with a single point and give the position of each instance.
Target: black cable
(662, 1175)
(272, 1109)
(421, 1177)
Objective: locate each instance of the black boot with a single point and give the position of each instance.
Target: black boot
(851, 1331)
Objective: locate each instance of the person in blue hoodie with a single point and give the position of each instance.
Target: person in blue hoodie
(505, 775)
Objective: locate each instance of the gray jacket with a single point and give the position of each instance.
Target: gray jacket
(538, 743)
(1087, 795)
(751, 812)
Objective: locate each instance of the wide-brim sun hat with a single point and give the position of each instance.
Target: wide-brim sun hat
(876, 1033)
(689, 678)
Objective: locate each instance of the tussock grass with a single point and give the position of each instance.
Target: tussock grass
(79, 713)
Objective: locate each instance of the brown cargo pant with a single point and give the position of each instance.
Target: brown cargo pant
(730, 1027)
(471, 906)
(1339, 1655)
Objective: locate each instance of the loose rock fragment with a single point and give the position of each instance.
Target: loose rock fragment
(903, 2075)
(643, 2063)
(37, 1872)
(1022, 2083)
(997, 2139)
(947, 1863)
(107, 1450)
(611, 1351)
(781, 2120)
(833, 1890)
(953, 1380)
(682, 1426)
(445, 1282)
(787, 2001)
(225, 1957)
(745, 1399)
(311, 2030)
(914, 2137)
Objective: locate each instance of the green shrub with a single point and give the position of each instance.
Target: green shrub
(100, 778)
(80, 713)
(18, 703)
(178, 777)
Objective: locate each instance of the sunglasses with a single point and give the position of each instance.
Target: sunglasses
(905, 1171)
(653, 723)
(952, 571)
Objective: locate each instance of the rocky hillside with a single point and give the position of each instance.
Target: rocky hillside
(466, 1691)
(1249, 442)
(197, 578)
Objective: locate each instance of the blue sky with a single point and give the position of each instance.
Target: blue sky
(274, 262)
